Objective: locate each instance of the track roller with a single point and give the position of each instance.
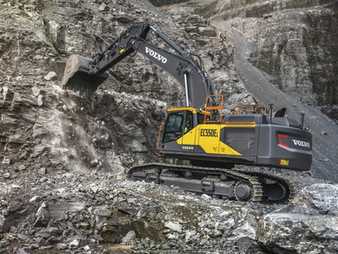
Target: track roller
(242, 191)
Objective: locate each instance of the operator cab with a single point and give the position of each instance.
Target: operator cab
(181, 120)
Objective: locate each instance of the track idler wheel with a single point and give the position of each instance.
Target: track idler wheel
(276, 192)
(153, 176)
(242, 191)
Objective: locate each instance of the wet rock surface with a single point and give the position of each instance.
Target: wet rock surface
(63, 157)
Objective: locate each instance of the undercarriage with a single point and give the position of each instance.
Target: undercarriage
(233, 184)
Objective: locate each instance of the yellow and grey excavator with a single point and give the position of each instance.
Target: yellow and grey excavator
(197, 132)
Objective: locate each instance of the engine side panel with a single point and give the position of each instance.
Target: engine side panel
(226, 142)
(245, 143)
(284, 147)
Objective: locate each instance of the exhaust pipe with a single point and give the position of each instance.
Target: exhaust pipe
(302, 120)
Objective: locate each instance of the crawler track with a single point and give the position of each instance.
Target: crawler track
(235, 184)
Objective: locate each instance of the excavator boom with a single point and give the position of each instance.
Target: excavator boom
(85, 74)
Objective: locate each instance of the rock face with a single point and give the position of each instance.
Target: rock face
(322, 197)
(298, 233)
(303, 226)
(295, 43)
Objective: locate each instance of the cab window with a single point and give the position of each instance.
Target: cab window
(173, 127)
(177, 124)
(188, 121)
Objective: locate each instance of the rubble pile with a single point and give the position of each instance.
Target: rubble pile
(88, 214)
(95, 213)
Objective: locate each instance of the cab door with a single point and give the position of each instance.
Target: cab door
(179, 127)
(174, 127)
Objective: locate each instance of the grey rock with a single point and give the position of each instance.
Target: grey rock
(103, 211)
(190, 235)
(174, 226)
(21, 167)
(206, 197)
(35, 91)
(55, 33)
(6, 175)
(102, 7)
(61, 246)
(4, 91)
(33, 199)
(42, 216)
(21, 251)
(39, 130)
(6, 161)
(2, 222)
(130, 236)
(42, 171)
(244, 231)
(207, 31)
(94, 162)
(74, 244)
(38, 150)
(322, 197)
(40, 100)
(50, 76)
(43, 179)
(299, 233)
(136, 146)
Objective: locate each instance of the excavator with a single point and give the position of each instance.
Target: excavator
(222, 155)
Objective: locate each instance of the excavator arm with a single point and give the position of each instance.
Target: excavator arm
(85, 74)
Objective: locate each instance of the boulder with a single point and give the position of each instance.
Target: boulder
(50, 76)
(322, 197)
(130, 236)
(174, 226)
(299, 233)
(207, 31)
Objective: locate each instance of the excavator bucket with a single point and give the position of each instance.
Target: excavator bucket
(77, 77)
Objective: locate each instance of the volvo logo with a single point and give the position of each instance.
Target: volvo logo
(156, 55)
(301, 143)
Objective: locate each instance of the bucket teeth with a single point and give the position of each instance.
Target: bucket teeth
(77, 76)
